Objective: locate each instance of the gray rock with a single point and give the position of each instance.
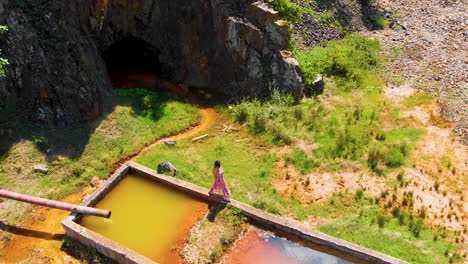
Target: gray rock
(168, 142)
(317, 86)
(167, 167)
(95, 181)
(56, 73)
(41, 168)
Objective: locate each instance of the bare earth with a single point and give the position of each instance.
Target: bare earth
(428, 40)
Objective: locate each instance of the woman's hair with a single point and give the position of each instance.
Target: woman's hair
(217, 164)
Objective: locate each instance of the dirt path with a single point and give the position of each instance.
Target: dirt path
(208, 119)
(39, 239)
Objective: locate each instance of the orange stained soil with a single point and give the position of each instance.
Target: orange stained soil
(208, 120)
(41, 236)
(39, 239)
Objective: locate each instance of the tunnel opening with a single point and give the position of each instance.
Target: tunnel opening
(132, 63)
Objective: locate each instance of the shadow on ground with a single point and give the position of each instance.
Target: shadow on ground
(84, 253)
(30, 233)
(215, 209)
(70, 141)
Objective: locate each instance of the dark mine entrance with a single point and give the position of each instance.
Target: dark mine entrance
(132, 63)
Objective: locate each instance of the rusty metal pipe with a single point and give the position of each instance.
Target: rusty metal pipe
(55, 204)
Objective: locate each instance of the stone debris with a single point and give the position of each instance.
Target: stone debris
(95, 181)
(200, 137)
(168, 141)
(41, 168)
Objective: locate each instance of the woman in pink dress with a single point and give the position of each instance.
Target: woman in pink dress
(219, 182)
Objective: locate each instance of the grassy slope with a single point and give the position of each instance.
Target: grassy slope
(133, 124)
(351, 123)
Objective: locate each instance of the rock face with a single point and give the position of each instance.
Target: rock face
(56, 72)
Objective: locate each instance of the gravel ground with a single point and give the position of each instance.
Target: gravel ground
(432, 37)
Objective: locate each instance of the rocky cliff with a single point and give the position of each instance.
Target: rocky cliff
(57, 74)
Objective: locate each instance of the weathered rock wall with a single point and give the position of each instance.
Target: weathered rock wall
(230, 48)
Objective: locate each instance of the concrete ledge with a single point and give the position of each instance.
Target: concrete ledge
(262, 218)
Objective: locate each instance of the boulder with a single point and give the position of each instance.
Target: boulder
(57, 75)
(167, 167)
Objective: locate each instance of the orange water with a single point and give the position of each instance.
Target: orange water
(147, 217)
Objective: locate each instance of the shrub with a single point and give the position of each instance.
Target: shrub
(379, 22)
(394, 158)
(287, 10)
(349, 61)
(39, 141)
(300, 160)
(401, 219)
(384, 194)
(3, 62)
(381, 220)
(396, 212)
(436, 186)
(359, 195)
(374, 158)
(423, 212)
(400, 176)
(326, 18)
(415, 227)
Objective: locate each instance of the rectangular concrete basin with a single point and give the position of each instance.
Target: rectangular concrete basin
(260, 218)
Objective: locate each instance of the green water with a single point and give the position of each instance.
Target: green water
(147, 217)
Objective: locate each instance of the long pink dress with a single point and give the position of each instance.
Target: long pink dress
(220, 185)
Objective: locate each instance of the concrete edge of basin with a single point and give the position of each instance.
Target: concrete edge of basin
(125, 255)
(275, 222)
(102, 244)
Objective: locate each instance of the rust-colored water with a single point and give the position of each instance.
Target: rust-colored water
(41, 237)
(147, 217)
(265, 248)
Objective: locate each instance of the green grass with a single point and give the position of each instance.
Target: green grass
(351, 124)
(417, 99)
(380, 231)
(134, 123)
(347, 125)
(379, 22)
(351, 61)
(247, 168)
(287, 10)
(350, 130)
